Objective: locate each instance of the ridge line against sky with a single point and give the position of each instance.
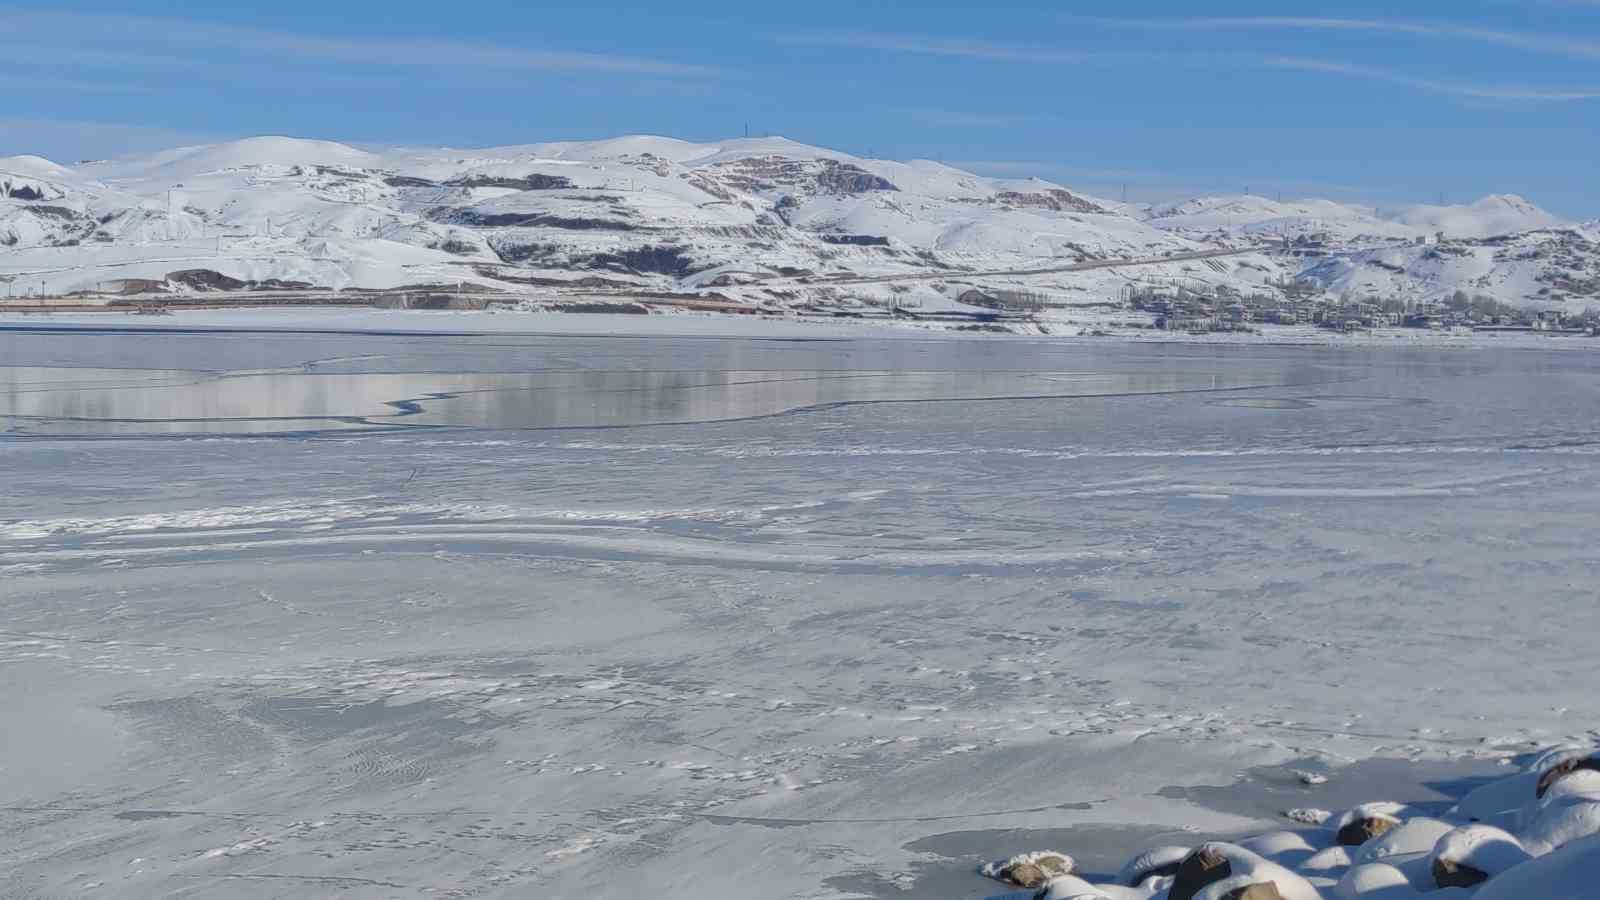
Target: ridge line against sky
(1455, 99)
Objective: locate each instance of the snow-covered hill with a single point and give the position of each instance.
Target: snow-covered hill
(1556, 266)
(761, 220)
(1496, 215)
(636, 211)
(1251, 215)
(1502, 246)
(1245, 216)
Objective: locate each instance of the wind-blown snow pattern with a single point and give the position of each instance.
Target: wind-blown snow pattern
(371, 614)
(762, 221)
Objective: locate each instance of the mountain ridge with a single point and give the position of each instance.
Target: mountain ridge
(657, 213)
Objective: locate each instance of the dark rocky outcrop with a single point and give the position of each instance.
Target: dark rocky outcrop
(1054, 199)
(856, 240)
(456, 248)
(825, 176)
(646, 260)
(626, 309)
(54, 212)
(521, 253)
(211, 280)
(532, 220)
(407, 181)
(642, 260)
(842, 178)
(206, 280)
(532, 182)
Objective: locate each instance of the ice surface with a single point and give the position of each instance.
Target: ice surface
(784, 656)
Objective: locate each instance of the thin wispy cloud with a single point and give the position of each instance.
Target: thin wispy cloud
(35, 28)
(47, 84)
(1554, 45)
(1390, 76)
(928, 46)
(1024, 54)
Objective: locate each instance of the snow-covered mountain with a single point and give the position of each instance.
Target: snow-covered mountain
(759, 220)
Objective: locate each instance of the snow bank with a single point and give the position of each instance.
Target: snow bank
(1387, 851)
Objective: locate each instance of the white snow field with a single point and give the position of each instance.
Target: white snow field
(764, 222)
(289, 612)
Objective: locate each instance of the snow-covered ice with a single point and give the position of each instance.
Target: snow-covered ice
(830, 649)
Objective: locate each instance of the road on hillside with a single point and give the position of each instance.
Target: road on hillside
(999, 273)
(318, 296)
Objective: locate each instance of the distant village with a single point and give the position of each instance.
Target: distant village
(1194, 306)
(1213, 308)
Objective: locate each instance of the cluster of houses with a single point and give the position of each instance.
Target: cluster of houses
(1221, 309)
(1224, 310)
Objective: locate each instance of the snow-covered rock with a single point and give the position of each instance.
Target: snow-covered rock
(1414, 838)
(1472, 854)
(1029, 870)
(1498, 801)
(1160, 862)
(1217, 870)
(1570, 873)
(1360, 824)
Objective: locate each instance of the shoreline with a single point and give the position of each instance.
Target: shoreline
(461, 323)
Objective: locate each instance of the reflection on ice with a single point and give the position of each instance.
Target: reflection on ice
(41, 400)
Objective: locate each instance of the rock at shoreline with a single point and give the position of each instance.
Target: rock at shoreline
(1200, 869)
(1029, 870)
(1365, 822)
(1563, 770)
(1162, 862)
(1266, 890)
(1448, 874)
(1471, 855)
(1543, 844)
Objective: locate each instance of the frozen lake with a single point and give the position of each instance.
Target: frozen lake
(291, 614)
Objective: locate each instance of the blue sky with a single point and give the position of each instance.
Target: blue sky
(1364, 101)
